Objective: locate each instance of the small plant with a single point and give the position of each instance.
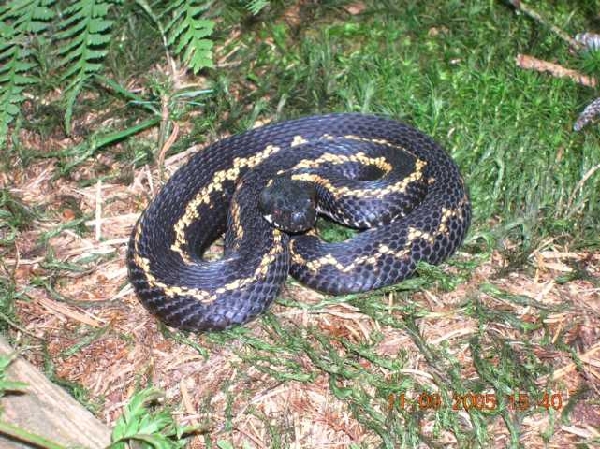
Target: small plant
(150, 429)
(79, 38)
(18, 22)
(255, 6)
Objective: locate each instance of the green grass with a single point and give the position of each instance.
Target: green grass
(449, 69)
(504, 125)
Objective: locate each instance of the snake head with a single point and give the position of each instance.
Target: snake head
(289, 205)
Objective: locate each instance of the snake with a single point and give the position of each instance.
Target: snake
(263, 189)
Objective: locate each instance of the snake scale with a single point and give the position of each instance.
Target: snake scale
(264, 187)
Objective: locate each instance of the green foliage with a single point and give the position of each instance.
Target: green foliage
(84, 33)
(188, 33)
(255, 6)
(151, 429)
(228, 445)
(14, 216)
(78, 40)
(70, 48)
(19, 21)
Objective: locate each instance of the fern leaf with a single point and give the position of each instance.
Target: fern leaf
(84, 33)
(255, 6)
(19, 20)
(188, 34)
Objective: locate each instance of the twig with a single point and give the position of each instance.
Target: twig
(168, 144)
(556, 70)
(586, 357)
(519, 5)
(150, 181)
(580, 184)
(163, 128)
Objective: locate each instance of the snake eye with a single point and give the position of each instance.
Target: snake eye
(297, 217)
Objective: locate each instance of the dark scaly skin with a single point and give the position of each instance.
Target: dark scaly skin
(420, 208)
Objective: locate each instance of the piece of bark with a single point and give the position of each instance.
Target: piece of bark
(47, 410)
(557, 71)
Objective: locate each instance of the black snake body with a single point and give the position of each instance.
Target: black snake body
(371, 173)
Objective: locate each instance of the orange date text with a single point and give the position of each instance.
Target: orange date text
(484, 402)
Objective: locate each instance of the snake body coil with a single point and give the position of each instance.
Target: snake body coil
(387, 179)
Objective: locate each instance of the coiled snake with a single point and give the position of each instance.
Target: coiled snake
(385, 178)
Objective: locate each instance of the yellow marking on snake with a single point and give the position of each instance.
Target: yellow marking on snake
(397, 187)
(338, 159)
(262, 268)
(298, 140)
(237, 224)
(295, 256)
(331, 158)
(329, 259)
(231, 173)
(382, 249)
(169, 290)
(204, 296)
(378, 141)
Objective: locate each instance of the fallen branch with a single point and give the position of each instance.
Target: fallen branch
(556, 70)
(46, 410)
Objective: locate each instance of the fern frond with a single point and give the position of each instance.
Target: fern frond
(255, 6)
(85, 34)
(188, 33)
(19, 21)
